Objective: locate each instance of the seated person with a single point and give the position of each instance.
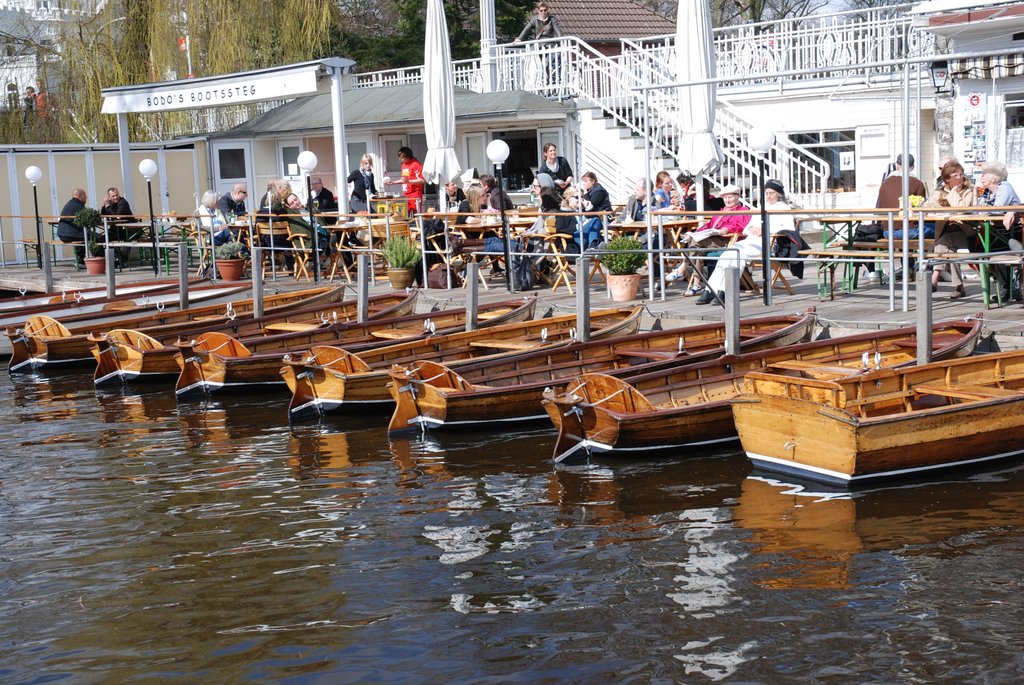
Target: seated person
(636, 211)
(594, 199)
(292, 212)
(117, 210)
(70, 232)
(750, 245)
(665, 194)
(688, 195)
(717, 232)
(953, 234)
(211, 220)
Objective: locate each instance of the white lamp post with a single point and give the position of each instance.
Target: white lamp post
(33, 174)
(148, 169)
(497, 152)
(761, 139)
(307, 162)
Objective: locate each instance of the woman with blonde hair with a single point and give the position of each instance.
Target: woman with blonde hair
(363, 185)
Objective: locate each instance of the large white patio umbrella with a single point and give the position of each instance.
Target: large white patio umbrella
(441, 164)
(699, 153)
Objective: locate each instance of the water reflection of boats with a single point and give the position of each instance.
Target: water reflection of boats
(118, 407)
(813, 536)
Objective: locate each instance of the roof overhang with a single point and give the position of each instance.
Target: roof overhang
(969, 20)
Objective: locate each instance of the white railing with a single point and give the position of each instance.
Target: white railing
(815, 42)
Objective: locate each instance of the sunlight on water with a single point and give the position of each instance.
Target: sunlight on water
(213, 542)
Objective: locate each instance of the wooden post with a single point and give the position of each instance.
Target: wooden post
(362, 274)
(182, 275)
(582, 300)
(472, 295)
(47, 268)
(111, 260)
(256, 260)
(732, 310)
(923, 294)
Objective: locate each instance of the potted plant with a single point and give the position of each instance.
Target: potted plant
(88, 219)
(626, 256)
(230, 260)
(96, 262)
(402, 256)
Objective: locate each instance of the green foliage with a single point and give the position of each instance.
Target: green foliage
(95, 248)
(88, 218)
(230, 250)
(401, 253)
(629, 259)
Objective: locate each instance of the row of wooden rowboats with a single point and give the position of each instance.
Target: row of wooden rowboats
(841, 410)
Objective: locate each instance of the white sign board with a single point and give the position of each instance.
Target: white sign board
(210, 92)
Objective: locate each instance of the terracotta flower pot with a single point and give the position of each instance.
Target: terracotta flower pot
(623, 288)
(95, 266)
(230, 269)
(401, 278)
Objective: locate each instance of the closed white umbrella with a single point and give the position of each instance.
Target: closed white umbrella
(699, 153)
(441, 164)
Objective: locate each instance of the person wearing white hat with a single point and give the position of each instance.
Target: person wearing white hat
(715, 233)
(749, 247)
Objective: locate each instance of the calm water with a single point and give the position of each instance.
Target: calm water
(145, 542)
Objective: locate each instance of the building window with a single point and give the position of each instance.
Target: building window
(1015, 130)
(835, 147)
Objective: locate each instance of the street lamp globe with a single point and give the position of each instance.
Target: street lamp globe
(148, 168)
(307, 160)
(761, 138)
(33, 174)
(497, 151)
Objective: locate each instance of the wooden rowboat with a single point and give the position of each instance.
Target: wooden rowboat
(430, 395)
(124, 308)
(124, 355)
(332, 378)
(44, 341)
(689, 406)
(14, 310)
(213, 362)
(891, 423)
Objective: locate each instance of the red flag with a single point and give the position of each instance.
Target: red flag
(183, 43)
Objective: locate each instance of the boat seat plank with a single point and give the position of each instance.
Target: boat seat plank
(647, 353)
(286, 327)
(486, 316)
(505, 344)
(798, 365)
(966, 392)
(397, 333)
(551, 371)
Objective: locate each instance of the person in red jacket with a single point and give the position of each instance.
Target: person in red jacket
(412, 179)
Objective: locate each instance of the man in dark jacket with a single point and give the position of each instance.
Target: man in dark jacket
(67, 230)
(233, 202)
(117, 210)
(322, 200)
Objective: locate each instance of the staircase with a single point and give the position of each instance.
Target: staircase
(568, 67)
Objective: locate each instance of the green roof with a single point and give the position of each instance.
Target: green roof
(396, 106)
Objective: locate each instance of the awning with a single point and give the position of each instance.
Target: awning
(997, 66)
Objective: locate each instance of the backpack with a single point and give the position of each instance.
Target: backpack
(522, 274)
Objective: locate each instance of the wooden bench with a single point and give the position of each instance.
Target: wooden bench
(648, 353)
(966, 392)
(506, 344)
